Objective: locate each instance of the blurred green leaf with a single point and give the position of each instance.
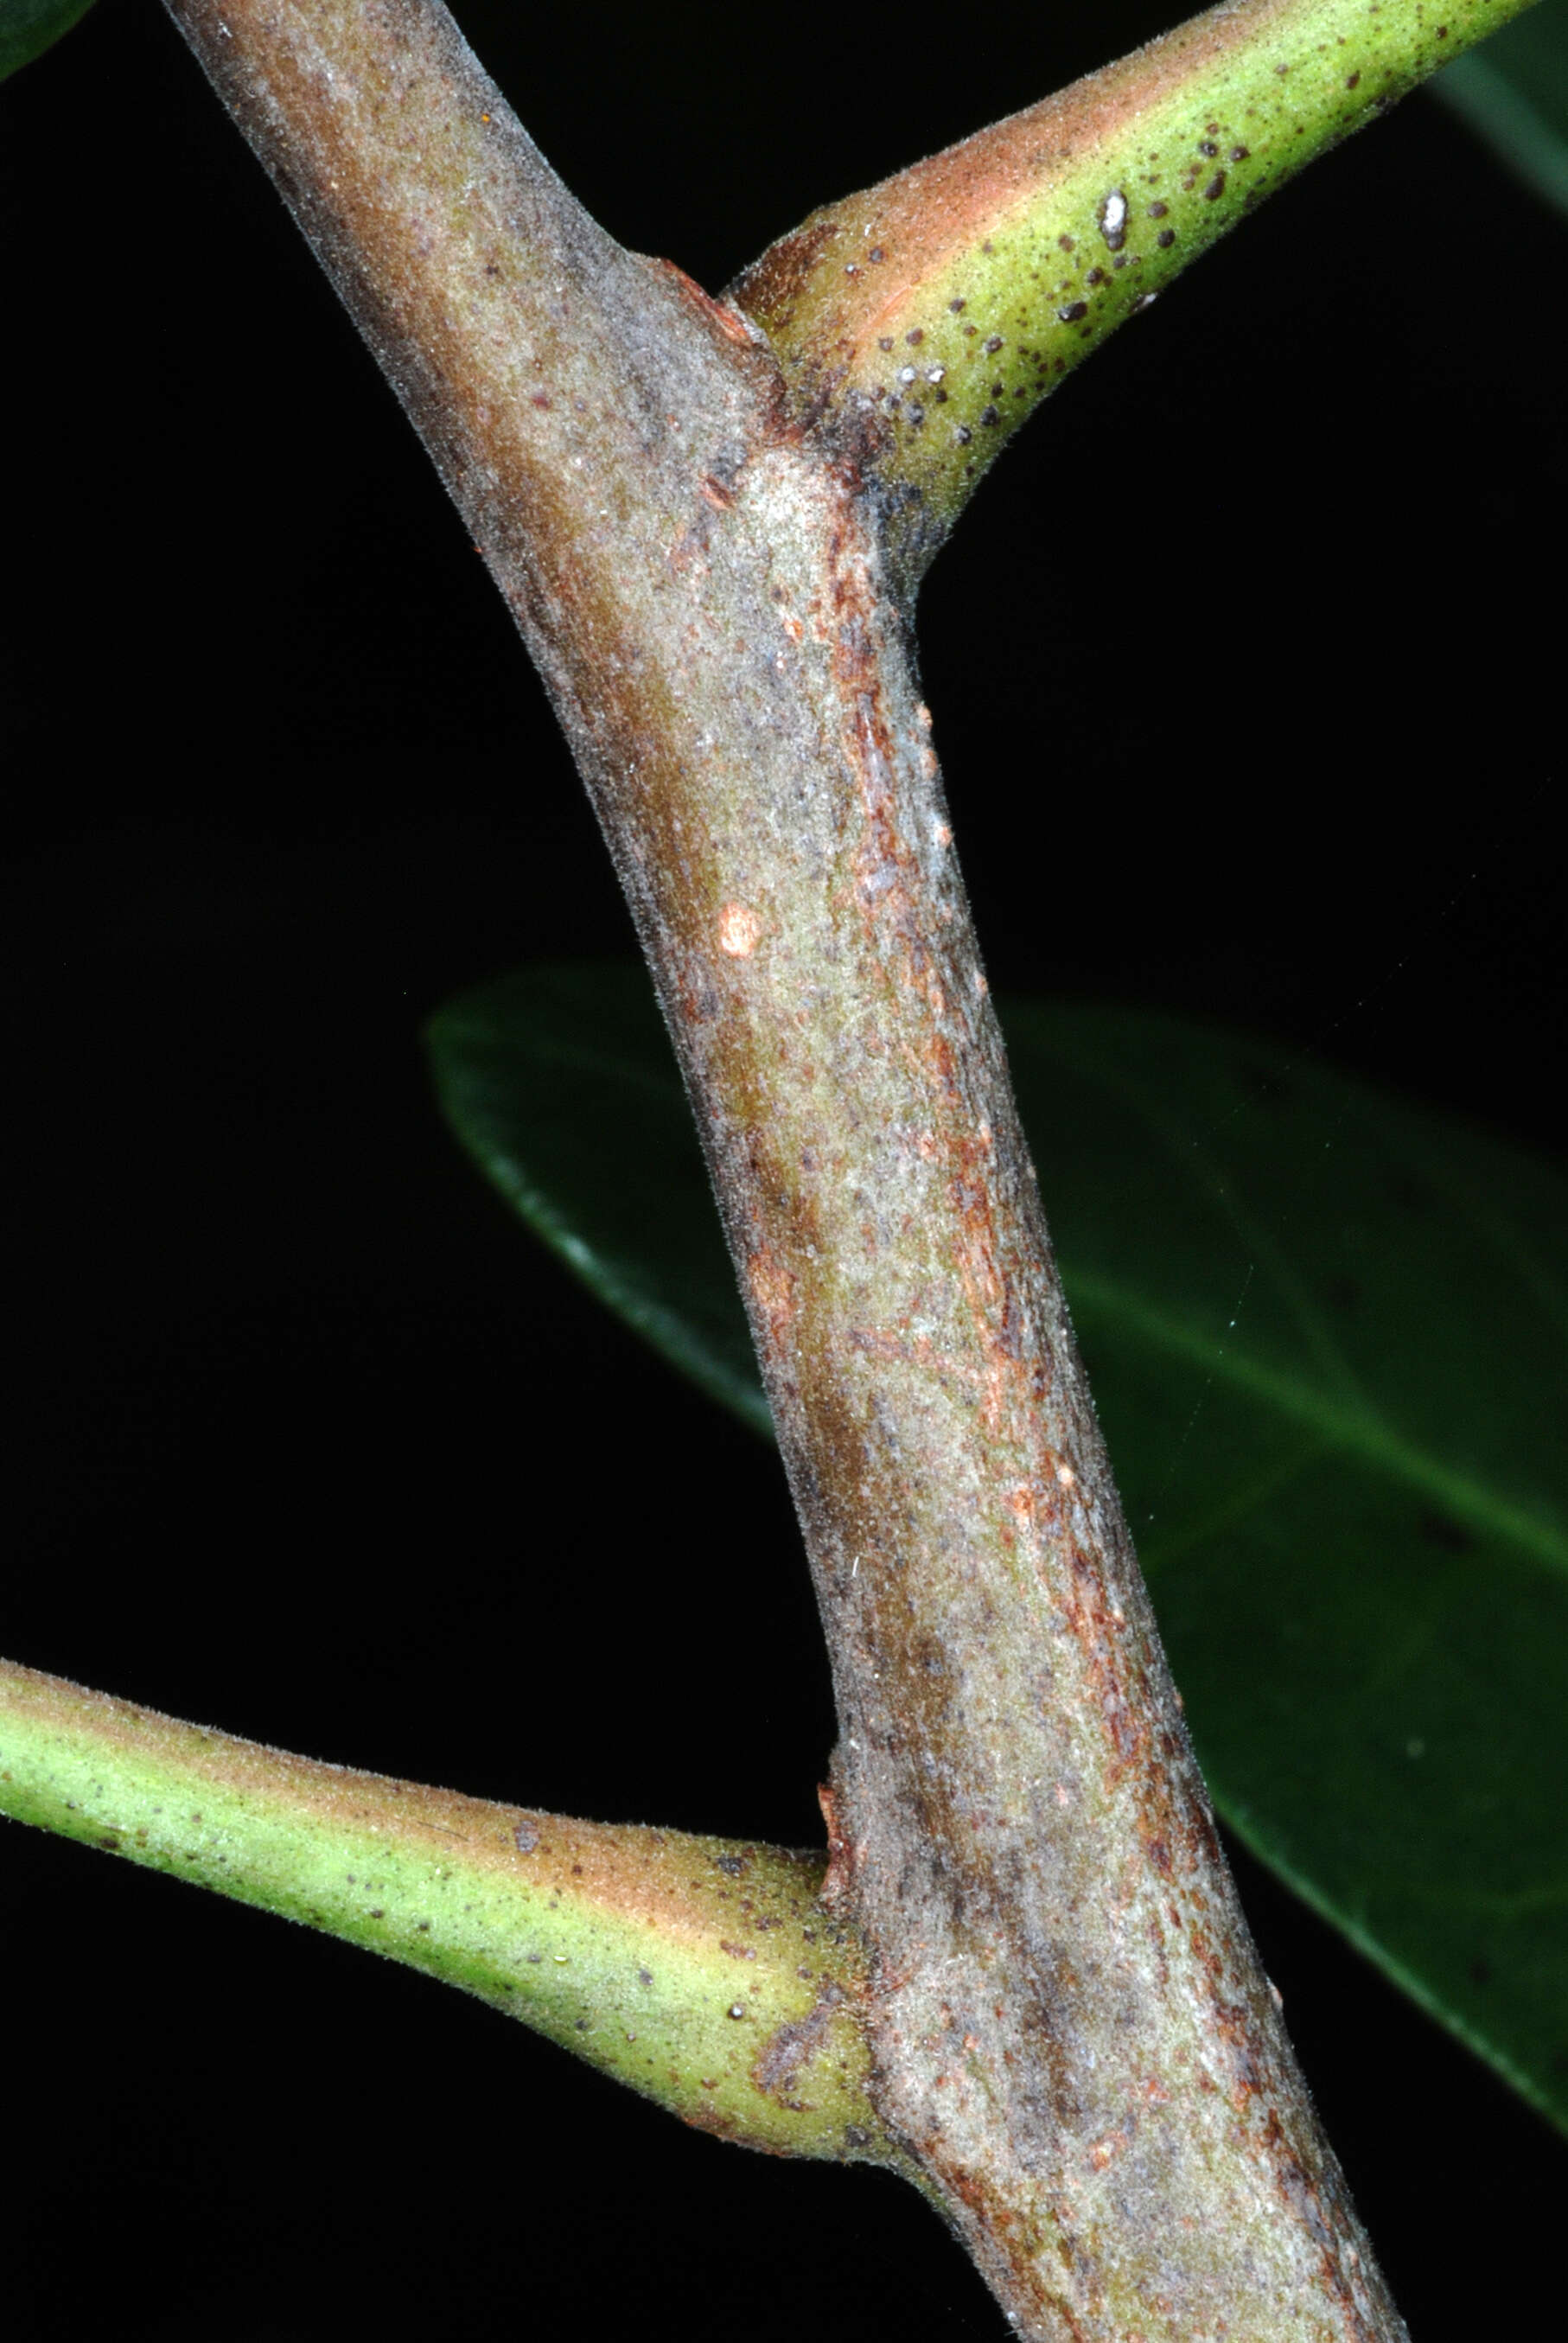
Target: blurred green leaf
(1326, 1337)
(28, 27)
(1514, 93)
(560, 1083)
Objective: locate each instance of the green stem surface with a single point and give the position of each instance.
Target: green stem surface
(703, 1972)
(927, 317)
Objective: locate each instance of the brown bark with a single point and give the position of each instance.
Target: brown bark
(1073, 2036)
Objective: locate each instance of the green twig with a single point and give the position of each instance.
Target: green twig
(924, 321)
(703, 1972)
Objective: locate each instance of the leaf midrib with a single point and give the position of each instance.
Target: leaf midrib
(1362, 1437)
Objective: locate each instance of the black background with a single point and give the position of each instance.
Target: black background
(1246, 673)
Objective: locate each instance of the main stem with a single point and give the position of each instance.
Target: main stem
(1072, 2034)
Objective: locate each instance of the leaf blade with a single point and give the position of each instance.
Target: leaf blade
(587, 1035)
(28, 27)
(1331, 1434)
(1513, 91)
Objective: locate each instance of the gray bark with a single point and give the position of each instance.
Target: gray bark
(1073, 2036)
